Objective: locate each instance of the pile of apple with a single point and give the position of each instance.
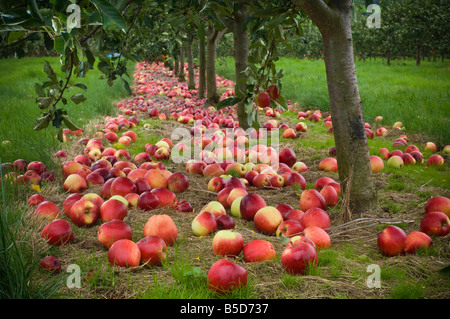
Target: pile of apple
(393, 240)
(26, 173)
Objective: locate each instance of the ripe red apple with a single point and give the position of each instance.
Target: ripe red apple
(435, 224)
(178, 182)
(216, 184)
(124, 253)
(204, 224)
(435, 160)
(58, 232)
(75, 183)
(311, 198)
(301, 127)
(148, 201)
(328, 164)
(316, 217)
(391, 241)
(258, 250)
(430, 146)
(299, 167)
(184, 206)
(297, 259)
(235, 182)
(321, 182)
(122, 186)
(227, 243)
(294, 241)
(438, 204)
(113, 209)
(224, 276)
(289, 228)
(155, 178)
(35, 199)
(267, 219)
(376, 163)
(153, 250)
(330, 195)
(273, 91)
(84, 212)
(250, 204)
(225, 222)
(215, 208)
(287, 156)
(69, 201)
(47, 209)
(166, 198)
(94, 179)
(235, 193)
(37, 166)
(71, 167)
(318, 236)
(294, 214)
(296, 179)
(416, 240)
(162, 226)
(263, 99)
(284, 209)
(51, 263)
(261, 180)
(112, 231)
(384, 152)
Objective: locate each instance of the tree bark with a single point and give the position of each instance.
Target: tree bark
(334, 22)
(241, 51)
(202, 66)
(181, 77)
(418, 55)
(211, 86)
(191, 78)
(176, 65)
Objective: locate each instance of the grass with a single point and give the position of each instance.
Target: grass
(416, 96)
(19, 111)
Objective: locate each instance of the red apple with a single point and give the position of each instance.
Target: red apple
(435, 224)
(215, 208)
(294, 214)
(124, 253)
(321, 182)
(258, 250)
(318, 236)
(84, 212)
(296, 179)
(287, 156)
(69, 201)
(75, 183)
(227, 243)
(289, 228)
(224, 276)
(155, 178)
(216, 184)
(316, 217)
(261, 180)
(35, 199)
(148, 201)
(178, 183)
(58, 232)
(284, 209)
(51, 263)
(391, 241)
(267, 219)
(435, 160)
(438, 204)
(376, 163)
(250, 204)
(263, 99)
(311, 198)
(297, 259)
(328, 164)
(204, 224)
(225, 222)
(113, 209)
(47, 209)
(153, 250)
(162, 226)
(166, 198)
(112, 231)
(416, 240)
(330, 195)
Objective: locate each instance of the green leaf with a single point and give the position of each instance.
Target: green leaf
(49, 71)
(13, 36)
(60, 135)
(127, 86)
(39, 90)
(81, 86)
(59, 45)
(35, 9)
(111, 16)
(42, 122)
(68, 122)
(44, 102)
(230, 101)
(78, 98)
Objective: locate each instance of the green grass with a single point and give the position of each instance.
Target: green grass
(19, 111)
(417, 96)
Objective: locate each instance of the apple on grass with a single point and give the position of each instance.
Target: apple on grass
(318, 236)
(316, 217)
(112, 231)
(113, 209)
(148, 201)
(435, 224)
(178, 182)
(50, 263)
(295, 179)
(287, 156)
(225, 222)
(162, 226)
(184, 206)
(166, 198)
(311, 198)
(224, 276)
(284, 209)
(294, 214)
(75, 183)
(376, 164)
(227, 243)
(258, 250)
(297, 259)
(216, 184)
(267, 219)
(235, 193)
(299, 167)
(124, 253)
(35, 199)
(328, 164)
(58, 232)
(294, 241)
(47, 209)
(84, 213)
(289, 228)
(395, 161)
(69, 201)
(153, 250)
(330, 195)
(435, 160)
(215, 208)
(204, 224)
(321, 182)
(438, 204)
(417, 240)
(250, 204)
(391, 241)
(156, 179)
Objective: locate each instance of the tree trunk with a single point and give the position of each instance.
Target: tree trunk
(241, 51)
(202, 66)
(418, 55)
(388, 58)
(181, 77)
(191, 78)
(211, 85)
(352, 152)
(176, 65)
